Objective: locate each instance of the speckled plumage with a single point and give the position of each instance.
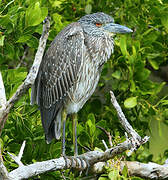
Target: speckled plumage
(70, 70)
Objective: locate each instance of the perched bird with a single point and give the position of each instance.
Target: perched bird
(70, 71)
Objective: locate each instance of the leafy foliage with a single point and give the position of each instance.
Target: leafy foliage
(128, 73)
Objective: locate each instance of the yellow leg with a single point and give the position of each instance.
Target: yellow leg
(64, 116)
(74, 124)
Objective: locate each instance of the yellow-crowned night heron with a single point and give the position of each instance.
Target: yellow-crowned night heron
(70, 71)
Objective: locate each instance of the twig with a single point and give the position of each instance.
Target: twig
(136, 138)
(21, 150)
(2, 103)
(17, 159)
(105, 145)
(30, 77)
(23, 57)
(108, 135)
(2, 95)
(3, 171)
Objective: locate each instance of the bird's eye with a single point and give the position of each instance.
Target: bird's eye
(98, 24)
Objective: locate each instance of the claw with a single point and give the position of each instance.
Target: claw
(78, 162)
(66, 161)
(88, 165)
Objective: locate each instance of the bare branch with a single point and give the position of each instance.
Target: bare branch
(108, 135)
(30, 77)
(2, 96)
(96, 160)
(21, 150)
(137, 140)
(3, 171)
(23, 57)
(148, 171)
(80, 162)
(122, 117)
(105, 145)
(17, 159)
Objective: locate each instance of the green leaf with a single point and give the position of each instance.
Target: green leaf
(114, 175)
(136, 178)
(164, 102)
(103, 178)
(164, 20)
(133, 86)
(125, 171)
(92, 118)
(5, 20)
(154, 64)
(142, 74)
(130, 102)
(10, 51)
(117, 74)
(88, 8)
(58, 21)
(123, 45)
(24, 38)
(56, 3)
(160, 1)
(35, 14)
(2, 38)
(33, 42)
(91, 124)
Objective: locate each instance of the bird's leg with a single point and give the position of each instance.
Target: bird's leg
(74, 124)
(64, 115)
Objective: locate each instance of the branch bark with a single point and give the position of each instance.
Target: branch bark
(81, 162)
(30, 77)
(150, 170)
(144, 170)
(95, 162)
(2, 96)
(136, 138)
(3, 171)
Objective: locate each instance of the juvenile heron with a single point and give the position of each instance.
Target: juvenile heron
(70, 71)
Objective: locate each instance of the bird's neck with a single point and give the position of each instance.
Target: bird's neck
(99, 48)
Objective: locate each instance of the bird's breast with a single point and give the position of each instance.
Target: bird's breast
(83, 88)
(96, 54)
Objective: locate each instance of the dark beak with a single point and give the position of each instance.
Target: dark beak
(116, 28)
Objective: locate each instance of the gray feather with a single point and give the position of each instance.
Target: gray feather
(56, 77)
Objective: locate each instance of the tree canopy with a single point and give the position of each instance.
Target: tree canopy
(134, 73)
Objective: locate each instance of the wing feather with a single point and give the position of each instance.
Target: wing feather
(58, 73)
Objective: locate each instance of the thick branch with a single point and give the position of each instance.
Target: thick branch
(136, 138)
(122, 117)
(30, 77)
(148, 171)
(3, 171)
(97, 160)
(81, 162)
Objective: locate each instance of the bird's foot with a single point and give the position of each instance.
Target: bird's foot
(66, 161)
(80, 163)
(136, 142)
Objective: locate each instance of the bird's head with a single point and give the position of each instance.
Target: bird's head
(101, 24)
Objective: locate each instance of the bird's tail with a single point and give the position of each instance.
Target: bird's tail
(55, 128)
(57, 125)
